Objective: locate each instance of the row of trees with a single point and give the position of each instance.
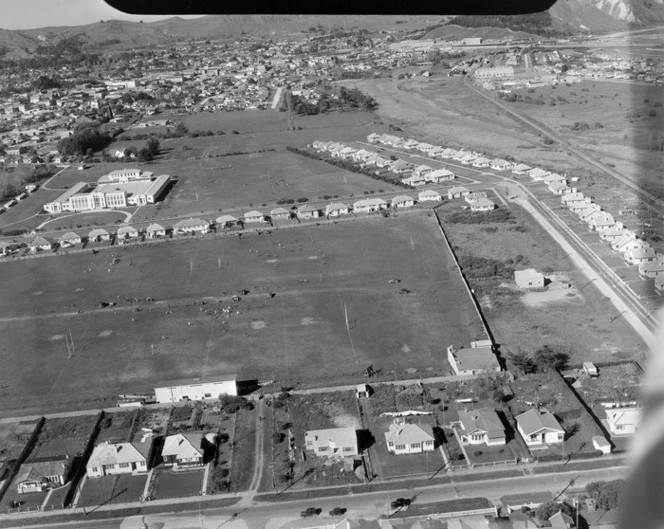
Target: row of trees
(86, 137)
(352, 98)
(542, 360)
(13, 179)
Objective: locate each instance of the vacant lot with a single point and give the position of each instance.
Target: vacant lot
(169, 299)
(116, 427)
(491, 251)
(112, 489)
(170, 484)
(13, 438)
(63, 436)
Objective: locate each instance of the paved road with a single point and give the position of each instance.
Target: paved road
(368, 506)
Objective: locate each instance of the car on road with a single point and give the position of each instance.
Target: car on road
(338, 511)
(400, 503)
(311, 511)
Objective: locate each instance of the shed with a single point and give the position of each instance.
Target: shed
(363, 391)
(529, 278)
(601, 444)
(590, 369)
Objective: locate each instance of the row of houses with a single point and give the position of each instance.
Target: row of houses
(418, 174)
(179, 451)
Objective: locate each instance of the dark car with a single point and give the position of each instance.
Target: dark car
(311, 511)
(400, 503)
(338, 511)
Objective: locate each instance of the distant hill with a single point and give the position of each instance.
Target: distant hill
(116, 34)
(453, 32)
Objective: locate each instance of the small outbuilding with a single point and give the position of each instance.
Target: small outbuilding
(601, 444)
(590, 369)
(529, 278)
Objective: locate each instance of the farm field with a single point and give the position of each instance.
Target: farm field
(525, 321)
(169, 299)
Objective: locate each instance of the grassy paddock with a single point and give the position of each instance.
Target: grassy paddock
(297, 336)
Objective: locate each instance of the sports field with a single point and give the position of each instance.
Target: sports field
(298, 336)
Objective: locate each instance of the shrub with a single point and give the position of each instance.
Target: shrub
(477, 453)
(231, 403)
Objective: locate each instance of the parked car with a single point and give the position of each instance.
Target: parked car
(338, 511)
(400, 503)
(311, 511)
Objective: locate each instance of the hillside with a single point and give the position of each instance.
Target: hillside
(116, 34)
(453, 32)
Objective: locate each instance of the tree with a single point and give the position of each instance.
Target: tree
(607, 494)
(547, 510)
(180, 129)
(546, 358)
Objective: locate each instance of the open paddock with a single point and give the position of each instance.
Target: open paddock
(177, 297)
(243, 182)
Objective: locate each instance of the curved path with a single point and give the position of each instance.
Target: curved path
(125, 213)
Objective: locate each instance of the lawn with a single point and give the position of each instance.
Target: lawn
(63, 436)
(112, 489)
(244, 450)
(169, 298)
(13, 438)
(116, 427)
(170, 484)
(30, 501)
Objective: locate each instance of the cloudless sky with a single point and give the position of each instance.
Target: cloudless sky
(28, 14)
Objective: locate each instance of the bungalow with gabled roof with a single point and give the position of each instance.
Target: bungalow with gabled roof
(373, 138)
(539, 427)
(429, 195)
(625, 243)
(652, 269)
(538, 174)
(120, 458)
(499, 164)
(521, 168)
(623, 421)
(361, 155)
(405, 438)
(70, 238)
(280, 214)
(613, 233)
(40, 243)
(226, 221)
(467, 158)
(601, 222)
(554, 177)
(481, 426)
(568, 198)
(414, 180)
(254, 216)
(474, 195)
(436, 151)
(478, 359)
(184, 450)
(191, 226)
(400, 166)
(440, 175)
(369, 205)
(422, 170)
(457, 192)
(482, 204)
(639, 256)
(308, 212)
(579, 205)
(332, 442)
(99, 235)
(480, 161)
(336, 209)
(155, 230)
(402, 201)
(589, 212)
(126, 232)
(558, 188)
(410, 144)
(37, 476)
(448, 153)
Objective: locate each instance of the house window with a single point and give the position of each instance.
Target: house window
(208, 395)
(428, 443)
(533, 437)
(94, 470)
(477, 437)
(620, 426)
(416, 445)
(124, 465)
(560, 436)
(401, 447)
(390, 444)
(349, 449)
(323, 448)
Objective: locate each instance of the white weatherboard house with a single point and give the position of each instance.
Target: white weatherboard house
(335, 209)
(479, 358)
(429, 195)
(196, 388)
(184, 450)
(623, 421)
(529, 278)
(404, 438)
(482, 426)
(120, 458)
(70, 238)
(38, 476)
(332, 442)
(539, 428)
(254, 216)
(191, 226)
(155, 230)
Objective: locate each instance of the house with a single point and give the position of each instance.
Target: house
(307, 212)
(499, 164)
(37, 476)
(280, 214)
(99, 235)
(577, 206)
(440, 175)
(482, 204)
(613, 233)
(601, 222)
(481, 426)
(568, 198)
(590, 369)
(652, 269)
(226, 221)
(457, 192)
(331, 442)
(429, 195)
(623, 421)
(184, 450)
(400, 167)
(448, 153)
(539, 428)
(373, 137)
(538, 174)
(414, 180)
(480, 161)
(422, 170)
(528, 278)
(402, 201)
(558, 188)
(521, 168)
(196, 389)
(120, 458)
(405, 438)
(191, 226)
(478, 359)
(40, 243)
(363, 391)
(126, 232)
(588, 212)
(336, 209)
(560, 520)
(155, 230)
(69, 239)
(638, 256)
(254, 216)
(369, 205)
(626, 243)
(466, 158)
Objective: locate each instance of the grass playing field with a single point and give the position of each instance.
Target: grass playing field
(298, 336)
